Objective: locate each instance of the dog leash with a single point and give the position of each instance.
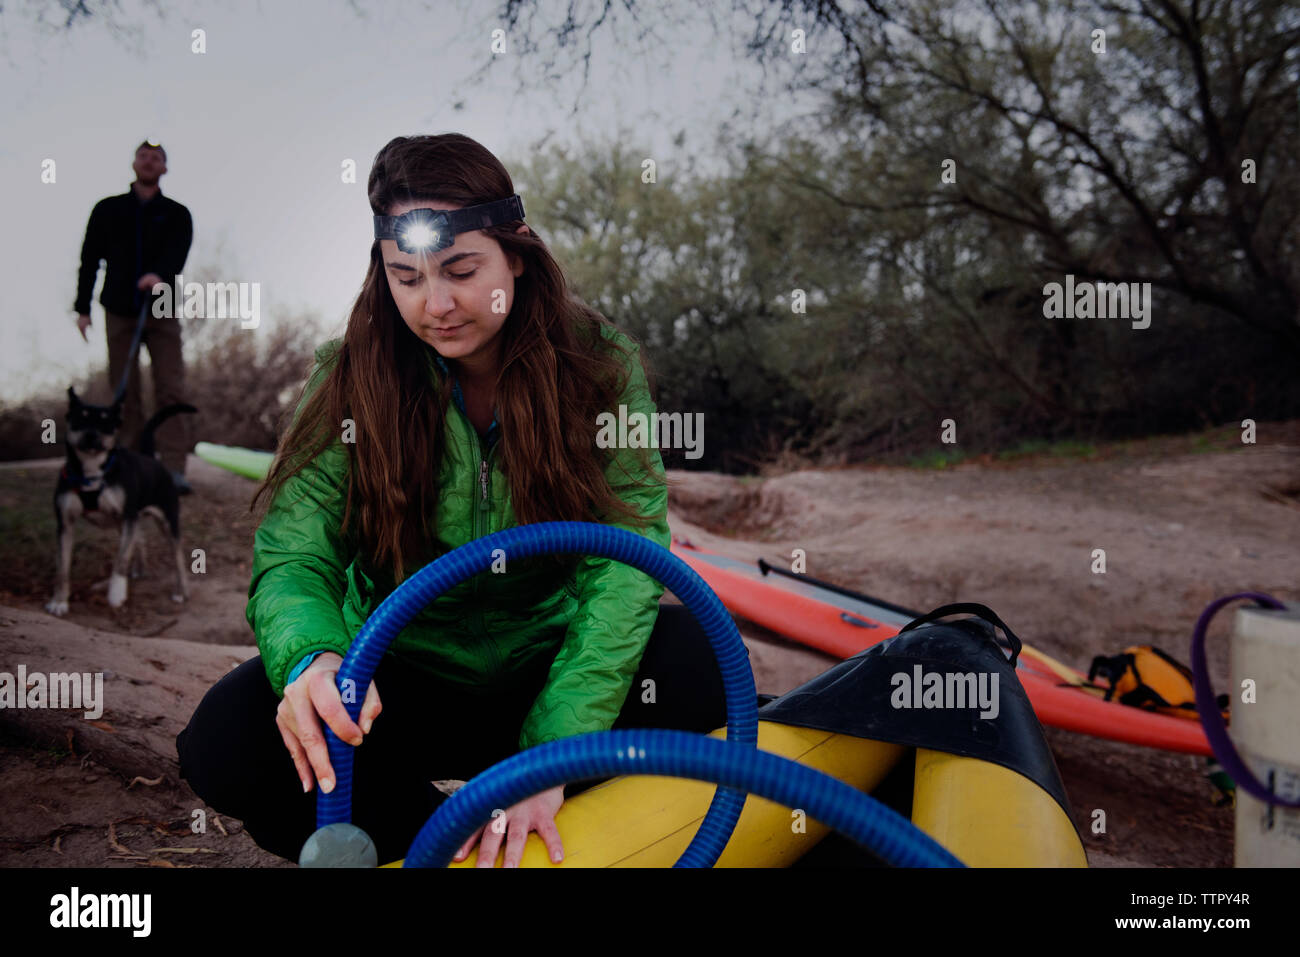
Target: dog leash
(130, 356)
(144, 308)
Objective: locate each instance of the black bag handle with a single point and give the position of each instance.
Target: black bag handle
(969, 608)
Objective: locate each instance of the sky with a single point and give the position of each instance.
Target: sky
(257, 128)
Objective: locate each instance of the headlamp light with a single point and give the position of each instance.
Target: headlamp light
(428, 230)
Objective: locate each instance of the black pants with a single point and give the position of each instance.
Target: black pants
(232, 755)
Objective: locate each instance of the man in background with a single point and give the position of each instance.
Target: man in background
(144, 238)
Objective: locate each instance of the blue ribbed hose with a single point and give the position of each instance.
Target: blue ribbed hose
(682, 755)
(554, 538)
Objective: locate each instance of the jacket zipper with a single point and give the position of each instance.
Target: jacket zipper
(481, 525)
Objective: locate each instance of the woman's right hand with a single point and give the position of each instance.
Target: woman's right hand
(307, 700)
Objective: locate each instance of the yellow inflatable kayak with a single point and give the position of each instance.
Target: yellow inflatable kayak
(983, 813)
(986, 788)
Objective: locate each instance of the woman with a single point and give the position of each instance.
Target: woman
(465, 391)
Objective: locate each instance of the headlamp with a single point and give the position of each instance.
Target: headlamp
(428, 230)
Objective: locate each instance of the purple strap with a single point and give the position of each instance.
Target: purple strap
(1211, 719)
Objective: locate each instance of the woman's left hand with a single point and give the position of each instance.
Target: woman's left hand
(535, 814)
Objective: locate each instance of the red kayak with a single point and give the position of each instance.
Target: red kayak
(842, 626)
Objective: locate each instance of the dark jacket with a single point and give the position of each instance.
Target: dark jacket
(134, 238)
(311, 591)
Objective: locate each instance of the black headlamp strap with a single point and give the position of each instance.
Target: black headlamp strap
(460, 220)
(486, 214)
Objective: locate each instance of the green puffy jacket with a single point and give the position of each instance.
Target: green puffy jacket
(311, 590)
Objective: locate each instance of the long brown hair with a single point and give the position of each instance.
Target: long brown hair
(558, 373)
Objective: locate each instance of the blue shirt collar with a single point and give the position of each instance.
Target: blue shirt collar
(460, 396)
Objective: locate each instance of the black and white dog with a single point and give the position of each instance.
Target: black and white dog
(107, 484)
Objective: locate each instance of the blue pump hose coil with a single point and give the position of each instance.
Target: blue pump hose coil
(677, 754)
(554, 538)
(738, 769)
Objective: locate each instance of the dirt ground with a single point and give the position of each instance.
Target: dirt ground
(1181, 521)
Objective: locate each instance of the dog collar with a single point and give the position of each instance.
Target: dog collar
(81, 480)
